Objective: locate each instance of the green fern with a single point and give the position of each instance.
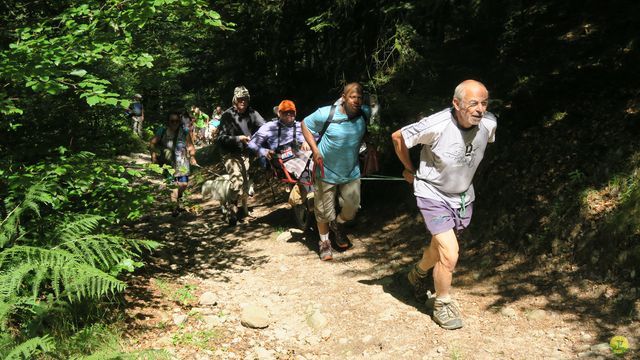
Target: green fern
(70, 275)
(10, 225)
(30, 348)
(79, 225)
(53, 263)
(106, 250)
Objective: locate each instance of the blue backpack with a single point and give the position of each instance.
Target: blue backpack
(136, 109)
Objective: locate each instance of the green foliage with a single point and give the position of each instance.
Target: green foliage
(60, 52)
(81, 182)
(30, 348)
(55, 258)
(199, 339)
(183, 295)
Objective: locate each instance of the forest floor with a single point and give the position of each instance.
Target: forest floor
(201, 295)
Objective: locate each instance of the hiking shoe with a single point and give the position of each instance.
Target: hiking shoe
(325, 250)
(422, 282)
(447, 314)
(339, 238)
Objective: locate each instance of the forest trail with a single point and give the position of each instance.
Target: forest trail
(197, 291)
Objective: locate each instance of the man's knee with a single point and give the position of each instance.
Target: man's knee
(448, 259)
(447, 247)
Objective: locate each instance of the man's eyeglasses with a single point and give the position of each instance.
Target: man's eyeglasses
(288, 113)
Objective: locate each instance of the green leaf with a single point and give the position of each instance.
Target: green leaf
(78, 72)
(92, 100)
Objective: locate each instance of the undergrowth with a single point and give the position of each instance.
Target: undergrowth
(61, 262)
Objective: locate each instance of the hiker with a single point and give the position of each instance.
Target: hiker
(136, 113)
(172, 145)
(214, 123)
(201, 122)
(217, 113)
(281, 136)
(340, 128)
(237, 124)
(453, 144)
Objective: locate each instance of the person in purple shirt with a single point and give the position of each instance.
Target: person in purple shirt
(282, 136)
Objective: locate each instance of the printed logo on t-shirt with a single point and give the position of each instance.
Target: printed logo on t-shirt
(463, 157)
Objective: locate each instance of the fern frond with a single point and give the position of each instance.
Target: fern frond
(69, 275)
(39, 193)
(31, 347)
(79, 226)
(107, 250)
(6, 308)
(89, 282)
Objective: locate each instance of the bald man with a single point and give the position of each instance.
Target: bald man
(453, 143)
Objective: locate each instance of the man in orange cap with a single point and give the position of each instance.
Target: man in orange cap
(282, 137)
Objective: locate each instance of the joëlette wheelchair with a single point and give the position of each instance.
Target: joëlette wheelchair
(300, 187)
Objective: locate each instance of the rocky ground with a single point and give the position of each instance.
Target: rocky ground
(259, 291)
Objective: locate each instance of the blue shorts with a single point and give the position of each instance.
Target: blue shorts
(439, 217)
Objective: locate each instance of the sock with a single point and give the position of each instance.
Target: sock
(445, 299)
(324, 237)
(421, 273)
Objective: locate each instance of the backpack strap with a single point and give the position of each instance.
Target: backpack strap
(328, 122)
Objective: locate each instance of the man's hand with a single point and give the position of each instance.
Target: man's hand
(192, 161)
(269, 154)
(244, 139)
(305, 146)
(408, 175)
(318, 161)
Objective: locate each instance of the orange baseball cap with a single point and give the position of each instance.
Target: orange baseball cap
(287, 105)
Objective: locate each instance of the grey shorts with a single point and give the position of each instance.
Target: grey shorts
(439, 217)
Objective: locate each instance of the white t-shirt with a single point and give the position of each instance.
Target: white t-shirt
(450, 155)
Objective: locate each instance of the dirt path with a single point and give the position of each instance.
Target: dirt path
(193, 297)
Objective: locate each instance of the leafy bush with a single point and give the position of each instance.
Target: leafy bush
(57, 263)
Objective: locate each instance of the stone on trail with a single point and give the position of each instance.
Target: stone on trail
(179, 318)
(508, 312)
(263, 354)
(212, 321)
(284, 236)
(602, 347)
(537, 314)
(316, 320)
(208, 298)
(255, 317)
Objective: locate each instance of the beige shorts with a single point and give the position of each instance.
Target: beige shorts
(325, 195)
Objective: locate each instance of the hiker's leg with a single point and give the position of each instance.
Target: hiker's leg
(350, 193)
(447, 257)
(325, 208)
(232, 164)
